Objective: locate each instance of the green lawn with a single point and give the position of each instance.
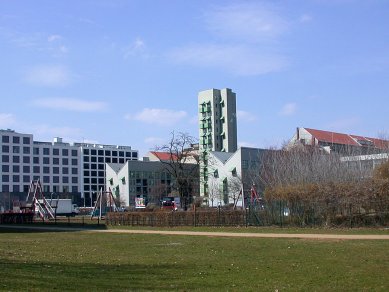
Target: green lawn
(90, 261)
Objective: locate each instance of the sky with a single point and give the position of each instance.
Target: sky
(129, 72)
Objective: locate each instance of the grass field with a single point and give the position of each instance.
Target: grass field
(116, 262)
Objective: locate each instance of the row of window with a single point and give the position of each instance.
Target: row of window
(46, 179)
(113, 153)
(38, 160)
(15, 139)
(38, 169)
(93, 173)
(37, 151)
(106, 159)
(46, 189)
(94, 180)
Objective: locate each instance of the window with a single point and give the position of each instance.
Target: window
(36, 169)
(26, 150)
(93, 173)
(56, 170)
(86, 158)
(93, 158)
(245, 164)
(86, 180)
(16, 140)
(100, 152)
(93, 152)
(101, 166)
(101, 181)
(16, 168)
(101, 159)
(26, 168)
(6, 188)
(114, 153)
(107, 153)
(46, 179)
(15, 149)
(107, 159)
(5, 139)
(74, 161)
(5, 168)
(74, 180)
(74, 152)
(86, 166)
(16, 188)
(135, 154)
(114, 160)
(46, 160)
(65, 170)
(16, 178)
(65, 152)
(26, 140)
(16, 159)
(65, 179)
(35, 160)
(128, 154)
(94, 180)
(26, 159)
(121, 160)
(46, 151)
(46, 169)
(86, 172)
(55, 161)
(56, 179)
(65, 161)
(5, 148)
(86, 151)
(35, 150)
(101, 173)
(74, 189)
(121, 154)
(5, 158)
(26, 178)
(93, 166)
(74, 170)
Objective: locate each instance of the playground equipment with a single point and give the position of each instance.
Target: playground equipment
(35, 202)
(104, 200)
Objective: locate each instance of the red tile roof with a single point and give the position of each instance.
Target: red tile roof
(164, 156)
(346, 139)
(332, 137)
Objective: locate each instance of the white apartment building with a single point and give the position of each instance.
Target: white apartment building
(63, 168)
(217, 128)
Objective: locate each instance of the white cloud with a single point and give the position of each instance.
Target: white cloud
(51, 76)
(236, 59)
(248, 21)
(136, 48)
(70, 104)
(6, 120)
(53, 37)
(288, 109)
(245, 116)
(161, 117)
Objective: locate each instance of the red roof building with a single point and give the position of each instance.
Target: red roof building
(339, 142)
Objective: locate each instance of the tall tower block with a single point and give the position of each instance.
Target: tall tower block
(217, 120)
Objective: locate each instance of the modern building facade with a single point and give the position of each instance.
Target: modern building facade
(149, 179)
(232, 176)
(217, 128)
(217, 120)
(75, 169)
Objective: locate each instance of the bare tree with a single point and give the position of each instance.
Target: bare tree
(182, 164)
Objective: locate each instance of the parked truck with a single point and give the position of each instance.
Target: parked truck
(63, 207)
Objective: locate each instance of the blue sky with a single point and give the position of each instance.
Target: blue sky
(128, 72)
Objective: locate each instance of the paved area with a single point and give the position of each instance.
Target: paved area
(211, 234)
